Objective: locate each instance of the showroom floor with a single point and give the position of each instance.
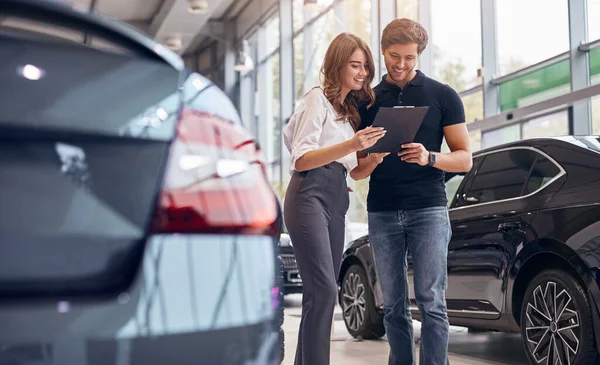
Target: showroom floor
(489, 348)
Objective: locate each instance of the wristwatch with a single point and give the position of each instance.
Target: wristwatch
(431, 159)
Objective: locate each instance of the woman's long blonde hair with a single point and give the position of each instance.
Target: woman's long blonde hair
(337, 57)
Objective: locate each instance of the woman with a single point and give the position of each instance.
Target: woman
(322, 143)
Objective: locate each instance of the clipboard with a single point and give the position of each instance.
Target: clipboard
(401, 124)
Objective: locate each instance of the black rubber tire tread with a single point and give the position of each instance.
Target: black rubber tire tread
(282, 344)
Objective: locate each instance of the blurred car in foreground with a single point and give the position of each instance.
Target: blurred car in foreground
(524, 254)
(137, 225)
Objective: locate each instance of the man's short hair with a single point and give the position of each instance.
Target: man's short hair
(404, 31)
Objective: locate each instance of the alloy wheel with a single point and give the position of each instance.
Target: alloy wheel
(553, 330)
(353, 301)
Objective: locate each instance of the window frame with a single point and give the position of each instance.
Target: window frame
(468, 180)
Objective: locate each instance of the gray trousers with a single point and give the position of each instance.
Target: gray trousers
(315, 206)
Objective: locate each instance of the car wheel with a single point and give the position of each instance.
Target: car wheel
(358, 305)
(556, 321)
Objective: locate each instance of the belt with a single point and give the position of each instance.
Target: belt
(337, 167)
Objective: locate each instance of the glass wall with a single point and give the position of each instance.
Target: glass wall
(357, 19)
(455, 64)
(547, 126)
(304, 14)
(298, 66)
(473, 104)
(595, 66)
(525, 36)
(596, 115)
(321, 33)
(407, 9)
(535, 86)
(502, 135)
(593, 14)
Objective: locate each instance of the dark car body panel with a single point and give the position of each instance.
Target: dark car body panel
(292, 282)
(494, 245)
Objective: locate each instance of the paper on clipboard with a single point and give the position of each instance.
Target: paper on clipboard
(401, 124)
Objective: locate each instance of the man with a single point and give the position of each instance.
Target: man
(407, 203)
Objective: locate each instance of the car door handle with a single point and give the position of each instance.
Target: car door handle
(509, 226)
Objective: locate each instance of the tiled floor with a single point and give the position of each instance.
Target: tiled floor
(488, 348)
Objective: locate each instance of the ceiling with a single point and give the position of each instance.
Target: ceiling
(162, 19)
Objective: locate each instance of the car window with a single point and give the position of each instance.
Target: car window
(201, 94)
(542, 173)
(502, 175)
(452, 185)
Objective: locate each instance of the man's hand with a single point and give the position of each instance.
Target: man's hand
(377, 158)
(414, 153)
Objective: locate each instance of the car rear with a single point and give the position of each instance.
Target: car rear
(137, 224)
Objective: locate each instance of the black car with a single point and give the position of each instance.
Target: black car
(292, 282)
(137, 223)
(524, 254)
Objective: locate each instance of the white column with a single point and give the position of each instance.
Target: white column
(426, 58)
(387, 13)
(376, 39)
(491, 101)
(580, 115)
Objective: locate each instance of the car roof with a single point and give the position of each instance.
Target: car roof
(589, 142)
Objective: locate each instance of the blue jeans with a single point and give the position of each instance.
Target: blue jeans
(426, 233)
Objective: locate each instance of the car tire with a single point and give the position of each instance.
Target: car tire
(557, 315)
(361, 317)
(282, 345)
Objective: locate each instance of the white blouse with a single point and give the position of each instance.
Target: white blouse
(314, 126)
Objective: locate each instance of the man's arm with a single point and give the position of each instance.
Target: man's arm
(459, 159)
(366, 165)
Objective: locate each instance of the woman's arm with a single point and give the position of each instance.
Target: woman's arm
(307, 126)
(366, 165)
(321, 157)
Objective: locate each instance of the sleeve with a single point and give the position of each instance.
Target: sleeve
(453, 111)
(308, 125)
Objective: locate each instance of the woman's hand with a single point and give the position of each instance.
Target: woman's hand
(366, 138)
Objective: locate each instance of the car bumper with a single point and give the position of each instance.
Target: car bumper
(292, 282)
(196, 298)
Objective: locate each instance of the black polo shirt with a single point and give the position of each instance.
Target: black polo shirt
(399, 185)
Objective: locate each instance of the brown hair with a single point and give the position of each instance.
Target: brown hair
(404, 31)
(336, 58)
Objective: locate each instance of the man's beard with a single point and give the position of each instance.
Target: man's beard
(406, 75)
(396, 79)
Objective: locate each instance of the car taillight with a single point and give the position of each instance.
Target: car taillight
(215, 181)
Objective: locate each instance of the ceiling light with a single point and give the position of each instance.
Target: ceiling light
(198, 6)
(174, 43)
(243, 61)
